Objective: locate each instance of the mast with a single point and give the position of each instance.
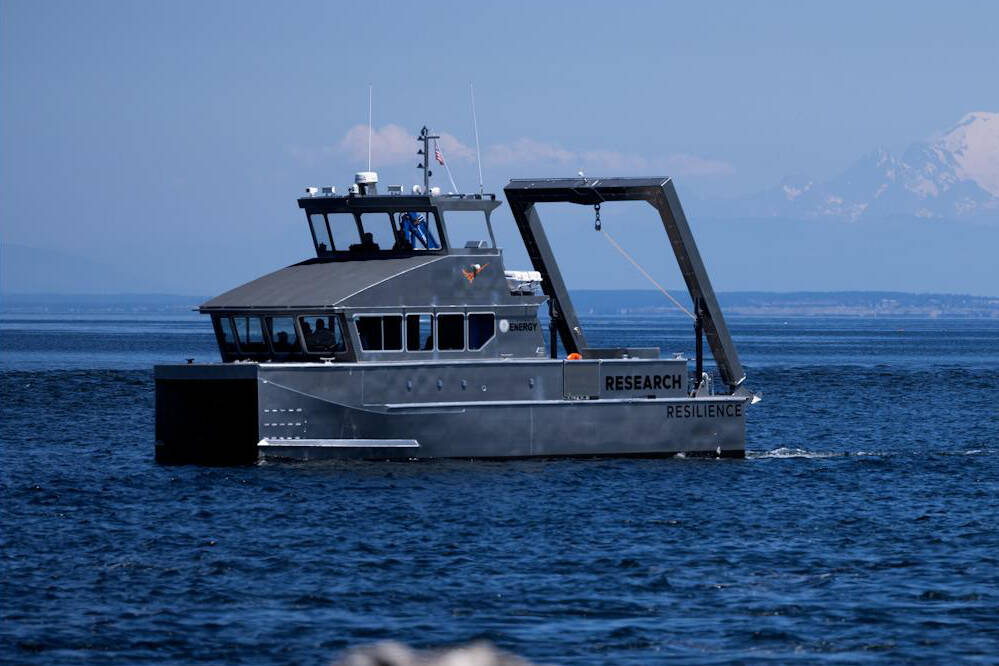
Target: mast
(425, 137)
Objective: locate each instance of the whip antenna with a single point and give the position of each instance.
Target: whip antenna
(369, 125)
(475, 124)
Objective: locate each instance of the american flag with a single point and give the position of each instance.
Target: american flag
(437, 154)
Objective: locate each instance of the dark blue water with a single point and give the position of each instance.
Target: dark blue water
(862, 526)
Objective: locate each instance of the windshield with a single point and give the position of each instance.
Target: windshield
(375, 232)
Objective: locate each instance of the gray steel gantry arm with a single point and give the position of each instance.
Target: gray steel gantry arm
(660, 193)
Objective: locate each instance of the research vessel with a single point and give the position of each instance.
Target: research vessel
(397, 341)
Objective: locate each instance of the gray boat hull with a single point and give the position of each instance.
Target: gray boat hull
(406, 411)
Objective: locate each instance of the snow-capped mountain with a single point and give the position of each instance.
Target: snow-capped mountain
(952, 176)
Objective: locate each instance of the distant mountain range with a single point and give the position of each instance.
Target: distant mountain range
(954, 176)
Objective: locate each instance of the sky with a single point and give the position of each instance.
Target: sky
(169, 140)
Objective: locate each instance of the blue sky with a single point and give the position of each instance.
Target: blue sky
(170, 139)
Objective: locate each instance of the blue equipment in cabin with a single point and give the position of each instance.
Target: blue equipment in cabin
(415, 228)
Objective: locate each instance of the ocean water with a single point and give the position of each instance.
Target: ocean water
(863, 524)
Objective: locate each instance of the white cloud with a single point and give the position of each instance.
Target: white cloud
(389, 145)
(455, 149)
(392, 144)
(531, 151)
(527, 150)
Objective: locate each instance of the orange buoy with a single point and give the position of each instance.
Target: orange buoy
(574, 356)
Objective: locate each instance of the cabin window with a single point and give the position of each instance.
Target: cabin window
(381, 226)
(284, 337)
(228, 335)
(380, 333)
(322, 334)
(250, 334)
(321, 232)
(450, 332)
(343, 226)
(419, 332)
(419, 230)
(369, 330)
(481, 328)
(467, 227)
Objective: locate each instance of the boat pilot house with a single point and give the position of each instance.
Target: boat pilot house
(390, 280)
(405, 337)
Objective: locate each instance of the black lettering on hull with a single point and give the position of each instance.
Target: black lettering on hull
(710, 411)
(642, 382)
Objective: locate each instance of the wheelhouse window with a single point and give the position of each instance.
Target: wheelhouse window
(468, 228)
(321, 232)
(284, 336)
(376, 232)
(450, 332)
(380, 333)
(379, 232)
(322, 334)
(419, 230)
(419, 332)
(250, 334)
(343, 226)
(481, 329)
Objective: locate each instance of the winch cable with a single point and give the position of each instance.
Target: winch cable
(648, 277)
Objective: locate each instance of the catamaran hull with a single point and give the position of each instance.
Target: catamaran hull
(583, 428)
(297, 413)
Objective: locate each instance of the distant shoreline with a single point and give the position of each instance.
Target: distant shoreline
(97, 303)
(800, 304)
(589, 301)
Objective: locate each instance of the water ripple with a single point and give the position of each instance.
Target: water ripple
(864, 525)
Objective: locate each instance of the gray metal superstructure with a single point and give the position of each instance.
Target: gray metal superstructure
(398, 342)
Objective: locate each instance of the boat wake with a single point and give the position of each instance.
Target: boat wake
(789, 452)
(786, 452)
